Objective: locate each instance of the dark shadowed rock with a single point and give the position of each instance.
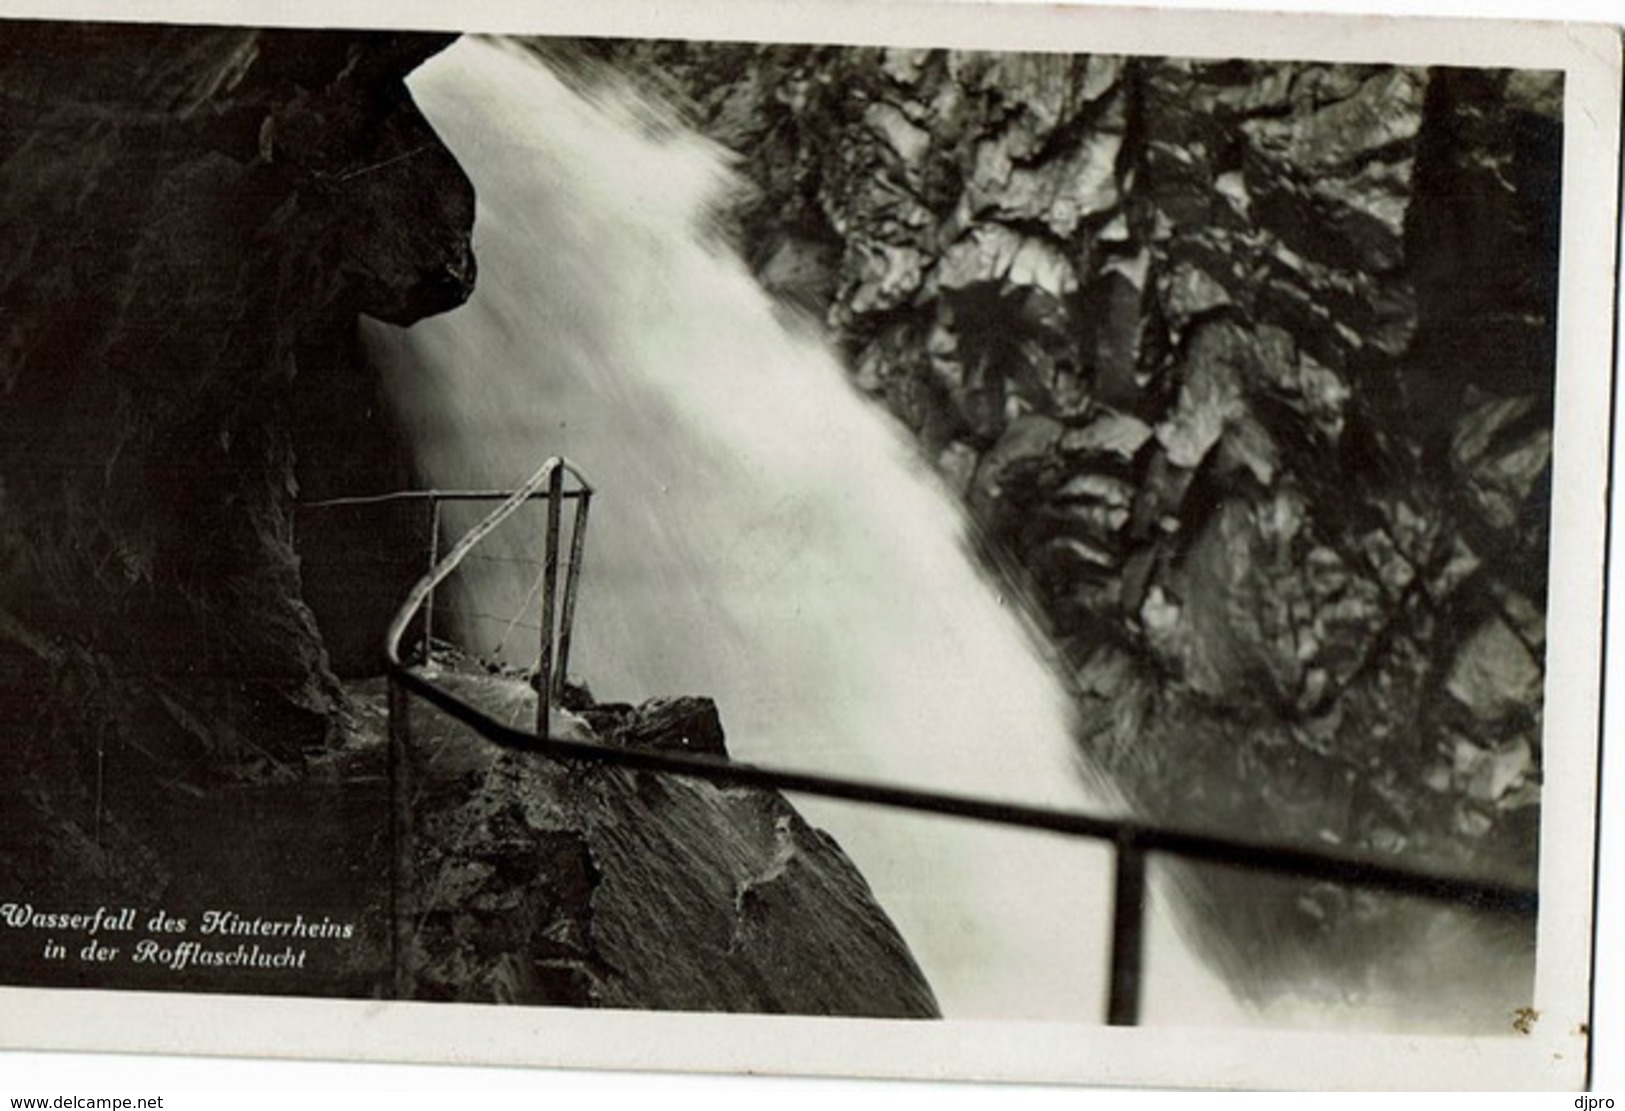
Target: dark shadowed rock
(675, 724)
(202, 205)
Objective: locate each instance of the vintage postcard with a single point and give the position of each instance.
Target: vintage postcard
(839, 538)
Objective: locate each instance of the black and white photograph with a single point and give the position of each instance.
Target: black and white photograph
(850, 539)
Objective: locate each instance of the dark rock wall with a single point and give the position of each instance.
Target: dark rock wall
(1243, 369)
(186, 209)
(356, 561)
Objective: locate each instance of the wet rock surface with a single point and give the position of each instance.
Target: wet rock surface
(546, 883)
(1244, 371)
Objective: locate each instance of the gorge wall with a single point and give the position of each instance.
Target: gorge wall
(198, 210)
(1245, 373)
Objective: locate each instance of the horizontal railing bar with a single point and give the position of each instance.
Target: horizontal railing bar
(489, 616)
(437, 495)
(523, 561)
(448, 563)
(1125, 833)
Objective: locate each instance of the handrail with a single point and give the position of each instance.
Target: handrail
(448, 563)
(551, 475)
(1327, 864)
(436, 495)
(1132, 839)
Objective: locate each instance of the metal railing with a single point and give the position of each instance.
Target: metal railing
(1132, 841)
(531, 491)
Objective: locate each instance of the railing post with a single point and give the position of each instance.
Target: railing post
(578, 541)
(434, 558)
(1128, 924)
(403, 870)
(550, 573)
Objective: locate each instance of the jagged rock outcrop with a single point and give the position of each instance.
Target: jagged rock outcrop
(192, 208)
(581, 886)
(1243, 369)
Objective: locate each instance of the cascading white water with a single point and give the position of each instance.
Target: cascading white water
(763, 534)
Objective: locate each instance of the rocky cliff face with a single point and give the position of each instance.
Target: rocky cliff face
(195, 205)
(1243, 369)
(193, 209)
(544, 883)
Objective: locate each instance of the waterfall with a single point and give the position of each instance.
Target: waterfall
(763, 534)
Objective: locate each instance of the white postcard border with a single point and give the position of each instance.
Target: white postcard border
(1552, 1055)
